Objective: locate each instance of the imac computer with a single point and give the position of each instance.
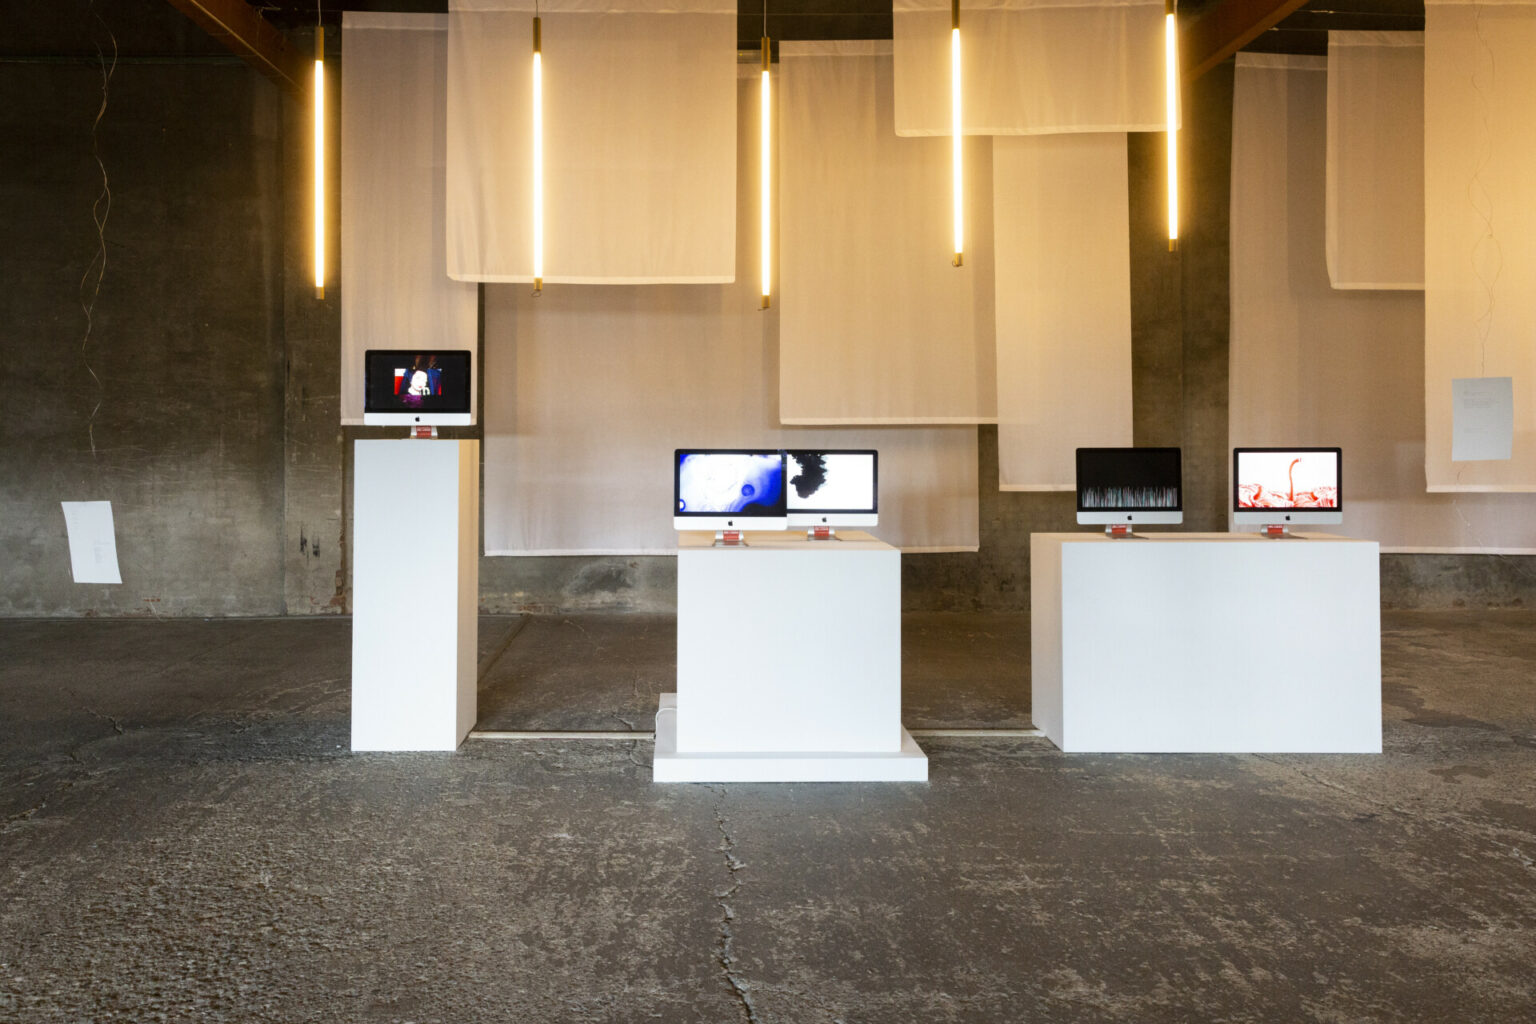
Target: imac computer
(1277, 488)
(828, 489)
(416, 388)
(728, 490)
(1121, 488)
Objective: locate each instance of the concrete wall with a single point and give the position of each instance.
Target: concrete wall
(169, 402)
(217, 439)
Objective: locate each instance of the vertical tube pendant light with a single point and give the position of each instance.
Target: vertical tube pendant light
(538, 156)
(765, 176)
(319, 204)
(1171, 57)
(956, 130)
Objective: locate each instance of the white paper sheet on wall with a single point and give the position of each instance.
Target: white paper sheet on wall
(92, 541)
(1482, 418)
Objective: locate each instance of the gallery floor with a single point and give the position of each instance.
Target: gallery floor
(185, 836)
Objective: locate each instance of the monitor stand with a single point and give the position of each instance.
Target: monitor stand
(821, 533)
(1118, 530)
(429, 433)
(729, 539)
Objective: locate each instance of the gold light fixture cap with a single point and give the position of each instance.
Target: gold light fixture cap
(959, 259)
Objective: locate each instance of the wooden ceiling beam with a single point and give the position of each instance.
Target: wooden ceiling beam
(1226, 27)
(247, 34)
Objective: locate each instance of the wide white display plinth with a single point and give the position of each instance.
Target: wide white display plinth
(788, 663)
(1206, 642)
(415, 593)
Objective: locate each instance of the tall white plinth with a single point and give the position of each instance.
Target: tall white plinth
(1206, 642)
(788, 663)
(415, 593)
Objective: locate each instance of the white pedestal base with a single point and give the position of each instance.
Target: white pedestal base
(415, 593)
(1209, 643)
(909, 764)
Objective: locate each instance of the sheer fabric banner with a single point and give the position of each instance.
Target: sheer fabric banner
(1376, 160)
(639, 141)
(1311, 365)
(394, 290)
(589, 390)
(1062, 227)
(878, 327)
(1479, 227)
(1031, 66)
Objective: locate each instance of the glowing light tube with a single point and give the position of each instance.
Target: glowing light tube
(1171, 55)
(538, 160)
(956, 130)
(319, 163)
(766, 176)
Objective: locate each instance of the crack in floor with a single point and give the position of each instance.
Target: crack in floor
(726, 949)
(27, 814)
(117, 726)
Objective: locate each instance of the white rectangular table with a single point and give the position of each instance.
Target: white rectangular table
(1206, 642)
(788, 663)
(415, 593)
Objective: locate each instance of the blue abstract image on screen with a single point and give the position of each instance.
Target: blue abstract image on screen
(721, 482)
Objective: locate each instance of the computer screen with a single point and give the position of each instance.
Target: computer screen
(832, 481)
(1287, 485)
(715, 484)
(1130, 485)
(426, 386)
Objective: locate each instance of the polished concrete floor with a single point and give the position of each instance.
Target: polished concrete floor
(184, 836)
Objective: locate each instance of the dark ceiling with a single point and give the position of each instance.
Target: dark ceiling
(153, 28)
(1305, 31)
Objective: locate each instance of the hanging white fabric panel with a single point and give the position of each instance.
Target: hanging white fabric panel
(878, 327)
(1311, 365)
(589, 390)
(1061, 221)
(639, 141)
(1031, 66)
(394, 291)
(1376, 160)
(1479, 227)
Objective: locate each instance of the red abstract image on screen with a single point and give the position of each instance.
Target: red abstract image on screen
(1288, 480)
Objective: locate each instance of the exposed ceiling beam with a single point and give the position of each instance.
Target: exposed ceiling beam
(237, 25)
(1226, 27)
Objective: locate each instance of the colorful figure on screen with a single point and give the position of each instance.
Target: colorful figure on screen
(423, 379)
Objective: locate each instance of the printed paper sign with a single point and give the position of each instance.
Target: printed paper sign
(92, 541)
(1482, 418)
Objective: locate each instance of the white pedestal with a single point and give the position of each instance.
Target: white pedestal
(1206, 642)
(415, 593)
(788, 663)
